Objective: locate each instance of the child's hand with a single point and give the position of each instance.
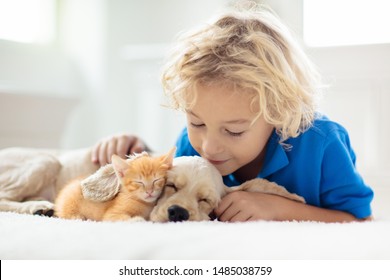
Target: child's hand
(120, 145)
(243, 206)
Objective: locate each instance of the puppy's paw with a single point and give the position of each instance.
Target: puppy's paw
(42, 212)
(38, 207)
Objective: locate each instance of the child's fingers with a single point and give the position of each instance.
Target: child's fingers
(129, 144)
(104, 149)
(225, 211)
(95, 154)
(138, 146)
(121, 145)
(103, 160)
(234, 207)
(111, 149)
(229, 214)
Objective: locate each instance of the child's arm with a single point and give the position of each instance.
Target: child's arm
(247, 206)
(121, 145)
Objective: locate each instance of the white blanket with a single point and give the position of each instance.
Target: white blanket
(34, 237)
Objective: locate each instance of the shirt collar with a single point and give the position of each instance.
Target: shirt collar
(275, 158)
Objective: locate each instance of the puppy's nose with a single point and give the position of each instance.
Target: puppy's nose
(177, 213)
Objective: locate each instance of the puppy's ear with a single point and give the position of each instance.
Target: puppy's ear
(265, 186)
(232, 189)
(102, 185)
(226, 190)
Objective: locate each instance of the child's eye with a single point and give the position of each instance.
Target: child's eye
(197, 125)
(234, 134)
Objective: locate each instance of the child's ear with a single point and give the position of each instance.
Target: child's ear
(120, 166)
(168, 158)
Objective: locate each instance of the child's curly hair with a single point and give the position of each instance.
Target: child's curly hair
(253, 53)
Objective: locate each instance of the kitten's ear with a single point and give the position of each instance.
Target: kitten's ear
(102, 185)
(120, 166)
(168, 158)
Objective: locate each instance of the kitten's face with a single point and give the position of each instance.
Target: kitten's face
(145, 178)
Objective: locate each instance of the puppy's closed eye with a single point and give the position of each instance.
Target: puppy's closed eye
(171, 186)
(204, 200)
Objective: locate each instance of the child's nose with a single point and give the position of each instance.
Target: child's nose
(211, 146)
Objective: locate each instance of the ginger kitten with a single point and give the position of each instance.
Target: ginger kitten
(142, 180)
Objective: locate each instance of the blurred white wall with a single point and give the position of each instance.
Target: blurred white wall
(104, 68)
(105, 63)
(120, 46)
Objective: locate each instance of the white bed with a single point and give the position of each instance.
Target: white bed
(35, 237)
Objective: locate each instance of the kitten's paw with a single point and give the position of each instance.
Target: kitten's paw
(137, 219)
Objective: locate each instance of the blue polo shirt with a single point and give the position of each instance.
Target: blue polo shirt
(319, 165)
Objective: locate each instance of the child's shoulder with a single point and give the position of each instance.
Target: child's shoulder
(322, 133)
(325, 127)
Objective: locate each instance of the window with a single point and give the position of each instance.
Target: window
(346, 22)
(27, 21)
